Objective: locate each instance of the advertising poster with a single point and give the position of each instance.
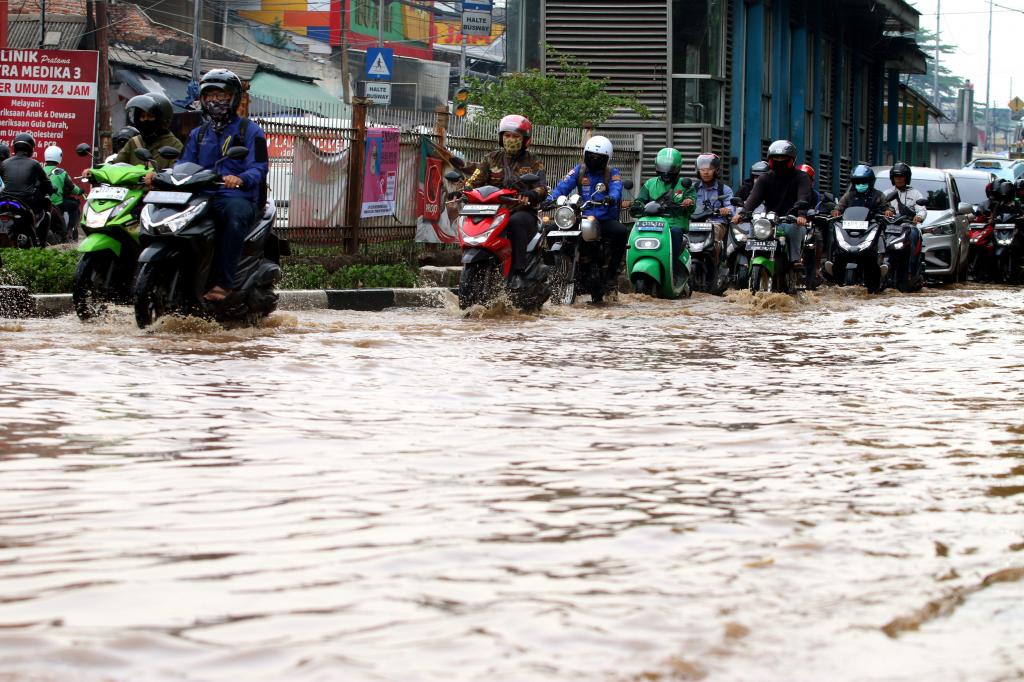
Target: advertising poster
(380, 172)
(51, 94)
(435, 219)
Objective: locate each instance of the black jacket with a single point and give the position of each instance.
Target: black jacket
(744, 191)
(873, 200)
(779, 192)
(25, 179)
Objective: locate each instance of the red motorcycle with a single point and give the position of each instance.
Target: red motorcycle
(980, 257)
(487, 251)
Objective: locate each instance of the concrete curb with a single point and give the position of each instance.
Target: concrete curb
(56, 305)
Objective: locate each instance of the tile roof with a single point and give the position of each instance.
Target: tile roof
(23, 30)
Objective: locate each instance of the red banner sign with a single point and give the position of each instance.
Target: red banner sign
(51, 94)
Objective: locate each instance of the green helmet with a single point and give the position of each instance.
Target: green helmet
(668, 163)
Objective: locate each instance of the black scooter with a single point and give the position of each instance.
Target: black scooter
(178, 236)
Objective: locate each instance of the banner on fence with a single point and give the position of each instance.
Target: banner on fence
(380, 172)
(435, 220)
(317, 192)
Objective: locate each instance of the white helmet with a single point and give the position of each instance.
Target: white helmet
(53, 153)
(599, 144)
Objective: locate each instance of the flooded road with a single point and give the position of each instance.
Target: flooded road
(735, 490)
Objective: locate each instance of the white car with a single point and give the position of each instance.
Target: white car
(944, 230)
(1005, 169)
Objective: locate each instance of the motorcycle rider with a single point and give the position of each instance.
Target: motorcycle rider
(780, 189)
(503, 168)
(65, 191)
(713, 195)
(756, 170)
(236, 205)
(150, 114)
(861, 192)
(119, 140)
(5, 153)
(584, 178)
(681, 198)
(24, 179)
(906, 196)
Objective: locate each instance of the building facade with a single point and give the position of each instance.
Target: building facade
(730, 76)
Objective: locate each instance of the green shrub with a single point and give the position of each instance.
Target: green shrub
(41, 271)
(304, 276)
(372, 276)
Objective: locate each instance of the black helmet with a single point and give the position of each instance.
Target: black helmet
(781, 148)
(1003, 190)
(224, 80)
(863, 174)
(759, 169)
(5, 151)
(901, 169)
(1019, 186)
(24, 142)
(121, 137)
(152, 103)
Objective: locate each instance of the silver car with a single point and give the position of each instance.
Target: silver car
(945, 229)
(971, 184)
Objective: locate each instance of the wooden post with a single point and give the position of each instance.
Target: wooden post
(441, 124)
(354, 200)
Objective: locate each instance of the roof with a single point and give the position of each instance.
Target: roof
(918, 97)
(897, 16)
(296, 94)
(174, 65)
(66, 30)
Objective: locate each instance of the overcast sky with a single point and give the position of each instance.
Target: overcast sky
(964, 23)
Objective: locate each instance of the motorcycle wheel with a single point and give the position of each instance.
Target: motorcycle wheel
(563, 278)
(151, 295)
(760, 279)
(645, 285)
(873, 279)
(742, 275)
(23, 241)
(810, 270)
(91, 287)
(902, 275)
(471, 285)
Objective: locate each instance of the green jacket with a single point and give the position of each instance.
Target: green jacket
(127, 153)
(63, 187)
(654, 189)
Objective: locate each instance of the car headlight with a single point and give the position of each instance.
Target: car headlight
(565, 217)
(763, 228)
(647, 244)
(172, 224)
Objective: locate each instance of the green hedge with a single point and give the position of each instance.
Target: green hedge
(52, 271)
(41, 271)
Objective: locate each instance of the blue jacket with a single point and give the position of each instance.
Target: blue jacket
(252, 170)
(586, 182)
(710, 197)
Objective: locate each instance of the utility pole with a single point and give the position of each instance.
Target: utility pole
(197, 40)
(103, 89)
(346, 95)
(380, 24)
(42, 24)
(967, 104)
(462, 61)
(988, 81)
(935, 88)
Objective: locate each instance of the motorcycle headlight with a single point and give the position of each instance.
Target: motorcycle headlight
(763, 229)
(482, 238)
(647, 244)
(173, 223)
(739, 235)
(565, 218)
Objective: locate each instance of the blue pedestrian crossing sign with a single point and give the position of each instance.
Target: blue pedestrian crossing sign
(379, 63)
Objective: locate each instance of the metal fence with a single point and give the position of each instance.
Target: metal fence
(309, 169)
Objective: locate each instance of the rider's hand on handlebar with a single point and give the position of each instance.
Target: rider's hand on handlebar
(725, 211)
(801, 220)
(889, 213)
(687, 203)
(232, 181)
(835, 214)
(147, 179)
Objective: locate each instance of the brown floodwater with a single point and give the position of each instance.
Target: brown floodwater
(823, 489)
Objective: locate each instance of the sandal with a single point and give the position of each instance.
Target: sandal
(216, 294)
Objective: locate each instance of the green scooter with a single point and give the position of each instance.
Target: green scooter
(649, 260)
(111, 248)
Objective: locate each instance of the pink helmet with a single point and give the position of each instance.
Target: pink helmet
(514, 123)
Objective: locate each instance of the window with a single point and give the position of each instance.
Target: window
(698, 61)
(366, 13)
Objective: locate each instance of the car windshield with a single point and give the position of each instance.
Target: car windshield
(932, 190)
(972, 190)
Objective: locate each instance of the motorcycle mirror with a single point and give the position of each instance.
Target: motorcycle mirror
(560, 201)
(84, 149)
(686, 182)
(144, 154)
(652, 208)
(801, 205)
(627, 184)
(601, 188)
(453, 176)
(922, 202)
(168, 152)
(457, 162)
(529, 178)
(237, 153)
(890, 195)
(736, 201)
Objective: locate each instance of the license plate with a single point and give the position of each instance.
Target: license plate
(564, 233)
(855, 224)
(649, 226)
(761, 245)
(894, 230)
(479, 209)
(700, 227)
(168, 197)
(108, 193)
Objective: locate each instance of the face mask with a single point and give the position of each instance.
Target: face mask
(861, 188)
(216, 110)
(511, 144)
(668, 178)
(778, 165)
(595, 162)
(147, 128)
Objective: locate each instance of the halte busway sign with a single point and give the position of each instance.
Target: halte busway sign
(379, 63)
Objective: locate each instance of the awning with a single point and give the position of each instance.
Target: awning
(294, 94)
